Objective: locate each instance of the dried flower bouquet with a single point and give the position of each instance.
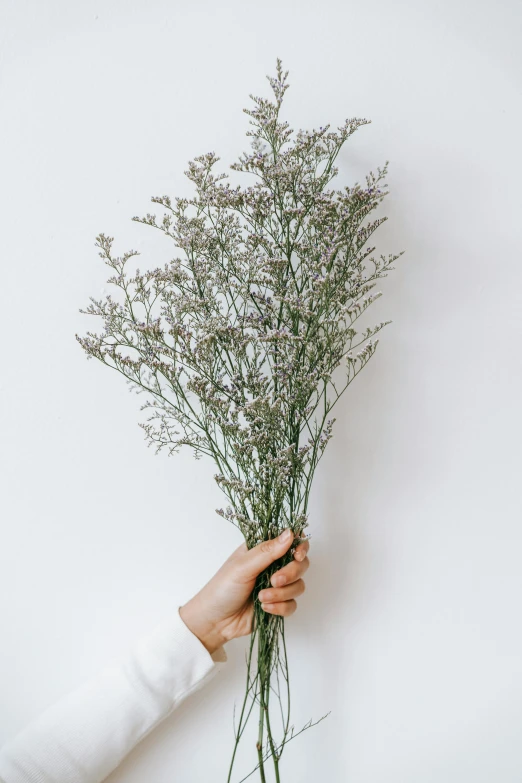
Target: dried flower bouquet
(245, 344)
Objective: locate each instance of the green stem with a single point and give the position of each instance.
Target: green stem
(249, 686)
(275, 756)
(268, 634)
(260, 734)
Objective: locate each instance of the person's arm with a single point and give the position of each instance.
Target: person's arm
(84, 737)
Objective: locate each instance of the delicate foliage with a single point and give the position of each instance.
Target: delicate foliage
(237, 342)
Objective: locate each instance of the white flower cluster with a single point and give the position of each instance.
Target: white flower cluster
(237, 341)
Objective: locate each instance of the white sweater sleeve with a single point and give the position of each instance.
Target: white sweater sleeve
(84, 736)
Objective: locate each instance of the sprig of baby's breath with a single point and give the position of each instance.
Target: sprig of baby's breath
(245, 343)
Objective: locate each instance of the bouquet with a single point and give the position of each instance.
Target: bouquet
(244, 344)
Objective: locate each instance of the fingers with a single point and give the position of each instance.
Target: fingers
(287, 585)
(284, 609)
(255, 560)
(274, 595)
(301, 550)
(290, 573)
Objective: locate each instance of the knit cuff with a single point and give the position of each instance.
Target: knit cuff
(172, 661)
(218, 656)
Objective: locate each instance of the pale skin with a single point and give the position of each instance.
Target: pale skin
(224, 608)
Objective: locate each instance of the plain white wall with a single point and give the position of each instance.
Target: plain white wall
(410, 631)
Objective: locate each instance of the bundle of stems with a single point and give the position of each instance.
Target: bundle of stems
(244, 345)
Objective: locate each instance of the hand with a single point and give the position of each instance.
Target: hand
(224, 608)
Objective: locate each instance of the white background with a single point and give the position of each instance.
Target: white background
(410, 631)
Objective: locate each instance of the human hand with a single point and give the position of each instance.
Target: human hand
(224, 608)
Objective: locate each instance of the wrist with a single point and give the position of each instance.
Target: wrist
(194, 618)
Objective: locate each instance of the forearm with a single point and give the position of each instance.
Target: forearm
(87, 734)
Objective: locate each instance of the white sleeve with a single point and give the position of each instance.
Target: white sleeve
(84, 736)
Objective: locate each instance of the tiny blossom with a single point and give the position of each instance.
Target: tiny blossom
(244, 344)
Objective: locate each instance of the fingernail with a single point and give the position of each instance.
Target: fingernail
(278, 580)
(286, 536)
(300, 555)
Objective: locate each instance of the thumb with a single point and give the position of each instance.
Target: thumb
(259, 557)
